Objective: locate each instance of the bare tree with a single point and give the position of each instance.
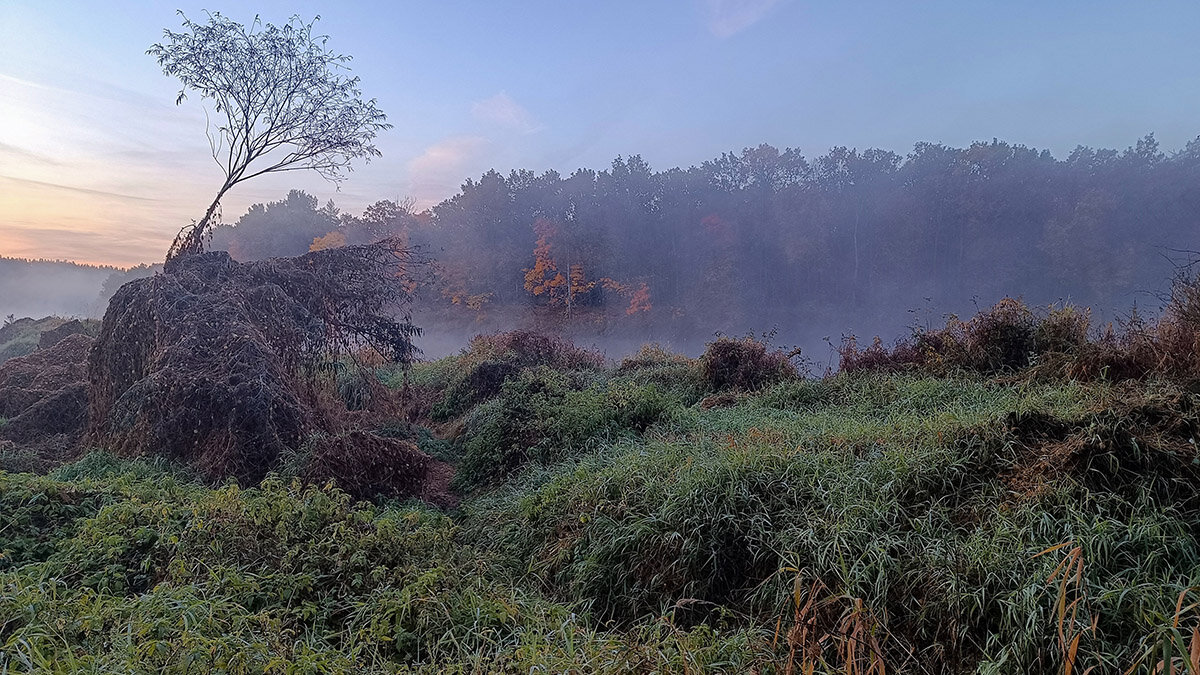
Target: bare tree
(284, 100)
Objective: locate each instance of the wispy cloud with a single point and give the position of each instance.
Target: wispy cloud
(505, 112)
(70, 242)
(76, 190)
(440, 169)
(729, 17)
(16, 153)
(30, 84)
(86, 85)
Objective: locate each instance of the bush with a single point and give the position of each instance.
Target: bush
(526, 349)
(675, 373)
(364, 465)
(502, 432)
(544, 415)
(903, 355)
(1004, 338)
(1000, 338)
(491, 360)
(744, 364)
(1063, 330)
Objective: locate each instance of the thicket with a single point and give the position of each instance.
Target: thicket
(232, 367)
(1059, 341)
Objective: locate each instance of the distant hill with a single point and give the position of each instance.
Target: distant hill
(51, 287)
(61, 287)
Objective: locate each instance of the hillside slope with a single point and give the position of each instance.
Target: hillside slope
(663, 514)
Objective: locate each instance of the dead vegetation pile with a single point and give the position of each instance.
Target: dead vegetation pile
(19, 337)
(43, 397)
(73, 327)
(227, 366)
(366, 465)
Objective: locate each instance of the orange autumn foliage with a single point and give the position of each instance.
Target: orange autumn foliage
(639, 301)
(334, 239)
(544, 278)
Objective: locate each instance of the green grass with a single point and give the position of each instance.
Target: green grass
(613, 524)
(21, 337)
(20, 345)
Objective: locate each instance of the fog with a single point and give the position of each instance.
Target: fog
(38, 288)
(762, 241)
(769, 241)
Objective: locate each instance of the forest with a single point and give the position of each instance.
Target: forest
(847, 242)
(760, 241)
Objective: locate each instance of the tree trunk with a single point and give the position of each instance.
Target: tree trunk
(191, 238)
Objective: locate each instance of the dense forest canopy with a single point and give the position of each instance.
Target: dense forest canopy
(849, 241)
(769, 238)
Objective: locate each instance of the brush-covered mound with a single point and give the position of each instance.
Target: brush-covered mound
(19, 337)
(43, 400)
(217, 365)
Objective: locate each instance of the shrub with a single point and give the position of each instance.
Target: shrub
(650, 355)
(364, 465)
(1001, 338)
(636, 407)
(480, 382)
(493, 359)
(1063, 330)
(674, 373)
(543, 415)
(744, 364)
(526, 348)
(502, 432)
(903, 355)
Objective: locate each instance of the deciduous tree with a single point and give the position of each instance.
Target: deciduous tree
(282, 98)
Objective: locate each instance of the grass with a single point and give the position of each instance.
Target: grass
(613, 522)
(20, 337)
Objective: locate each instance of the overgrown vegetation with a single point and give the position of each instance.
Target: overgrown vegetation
(227, 366)
(724, 514)
(20, 337)
(1057, 342)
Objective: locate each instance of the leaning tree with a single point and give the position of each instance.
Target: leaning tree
(235, 368)
(282, 99)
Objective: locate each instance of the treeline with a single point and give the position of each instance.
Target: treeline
(41, 287)
(768, 237)
(847, 241)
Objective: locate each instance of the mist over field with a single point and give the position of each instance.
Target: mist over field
(761, 241)
(38, 288)
(729, 336)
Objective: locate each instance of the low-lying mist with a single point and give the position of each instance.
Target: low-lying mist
(764, 242)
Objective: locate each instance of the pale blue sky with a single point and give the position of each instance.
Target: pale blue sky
(97, 164)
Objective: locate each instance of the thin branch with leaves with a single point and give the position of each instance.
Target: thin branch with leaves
(286, 101)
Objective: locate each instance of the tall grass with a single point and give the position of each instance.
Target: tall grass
(866, 523)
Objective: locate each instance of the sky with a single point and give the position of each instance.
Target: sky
(98, 164)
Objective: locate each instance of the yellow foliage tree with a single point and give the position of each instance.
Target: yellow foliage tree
(544, 278)
(334, 239)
